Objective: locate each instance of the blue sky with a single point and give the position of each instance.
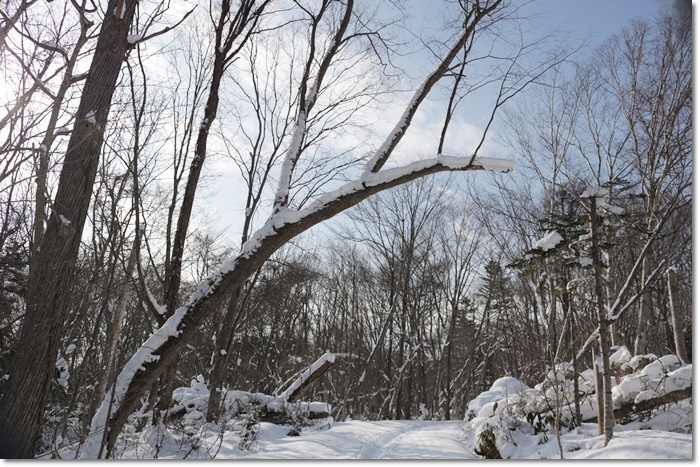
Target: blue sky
(594, 20)
(597, 18)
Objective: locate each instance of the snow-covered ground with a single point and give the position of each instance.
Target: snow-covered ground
(357, 440)
(510, 420)
(412, 440)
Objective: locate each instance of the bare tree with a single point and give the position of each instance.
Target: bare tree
(25, 395)
(284, 224)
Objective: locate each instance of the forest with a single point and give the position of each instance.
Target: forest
(409, 216)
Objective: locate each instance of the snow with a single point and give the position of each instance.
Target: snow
(644, 444)
(412, 439)
(500, 389)
(160, 309)
(64, 219)
(549, 241)
(597, 191)
(621, 355)
(133, 38)
(617, 210)
(502, 411)
(501, 414)
(53, 45)
(283, 216)
(63, 373)
(325, 358)
(290, 159)
(90, 117)
(142, 356)
(495, 165)
(397, 132)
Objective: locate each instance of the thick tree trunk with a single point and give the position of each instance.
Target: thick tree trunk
(22, 404)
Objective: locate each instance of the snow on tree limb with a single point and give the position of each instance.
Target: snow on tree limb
(143, 356)
(163, 346)
(308, 97)
(309, 375)
(382, 154)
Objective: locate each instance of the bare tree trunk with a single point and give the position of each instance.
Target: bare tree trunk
(25, 396)
(640, 341)
(577, 396)
(604, 336)
(224, 343)
(116, 326)
(228, 29)
(676, 319)
(598, 392)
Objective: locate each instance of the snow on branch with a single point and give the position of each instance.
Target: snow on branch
(308, 376)
(382, 154)
(144, 355)
(595, 191)
(282, 226)
(386, 177)
(549, 241)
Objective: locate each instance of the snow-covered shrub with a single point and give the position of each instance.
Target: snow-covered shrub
(250, 431)
(511, 415)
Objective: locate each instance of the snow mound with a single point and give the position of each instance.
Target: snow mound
(500, 389)
(512, 421)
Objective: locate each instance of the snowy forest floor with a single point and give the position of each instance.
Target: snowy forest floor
(412, 440)
(510, 420)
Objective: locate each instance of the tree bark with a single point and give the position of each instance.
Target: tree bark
(640, 341)
(224, 343)
(108, 357)
(631, 408)
(676, 318)
(603, 324)
(22, 404)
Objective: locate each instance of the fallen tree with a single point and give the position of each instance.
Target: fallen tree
(630, 410)
(295, 386)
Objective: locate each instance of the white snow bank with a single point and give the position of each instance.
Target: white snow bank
(521, 426)
(621, 355)
(500, 389)
(643, 444)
